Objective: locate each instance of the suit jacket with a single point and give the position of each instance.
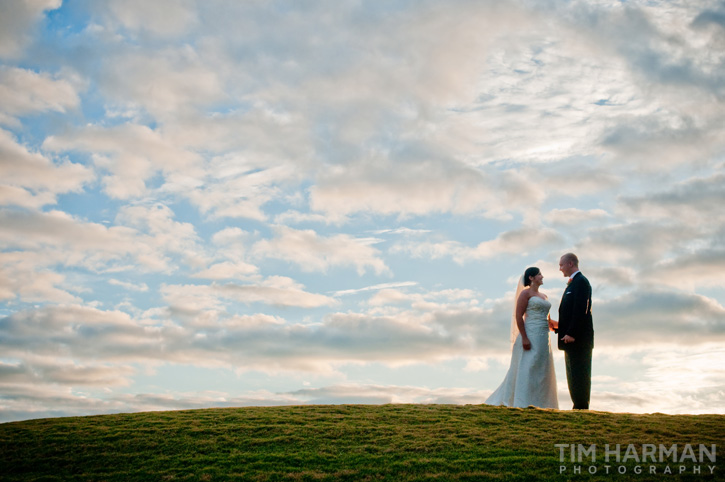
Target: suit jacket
(575, 315)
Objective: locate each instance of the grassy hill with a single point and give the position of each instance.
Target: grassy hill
(350, 442)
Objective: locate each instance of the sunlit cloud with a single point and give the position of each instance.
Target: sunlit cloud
(18, 22)
(332, 202)
(315, 253)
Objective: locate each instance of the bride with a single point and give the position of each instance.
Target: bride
(531, 379)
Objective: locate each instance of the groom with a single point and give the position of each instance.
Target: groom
(575, 331)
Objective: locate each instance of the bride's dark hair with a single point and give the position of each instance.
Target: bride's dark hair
(533, 271)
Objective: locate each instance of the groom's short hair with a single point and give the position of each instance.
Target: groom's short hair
(571, 257)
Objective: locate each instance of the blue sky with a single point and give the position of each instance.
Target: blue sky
(226, 203)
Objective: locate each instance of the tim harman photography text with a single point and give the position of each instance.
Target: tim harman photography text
(648, 459)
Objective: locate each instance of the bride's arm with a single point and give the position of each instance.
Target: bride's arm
(553, 324)
(520, 310)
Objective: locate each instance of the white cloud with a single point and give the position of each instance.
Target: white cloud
(517, 242)
(146, 239)
(653, 143)
(296, 217)
(191, 299)
(142, 287)
(57, 232)
(275, 290)
(403, 231)
(231, 238)
(164, 234)
(167, 83)
(221, 131)
(382, 286)
(195, 329)
(130, 153)
(17, 19)
(81, 332)
(677, 66)
(52, 370)
(62, 238)
(445, 301)
(228, 270)
(694, 202)
(679, 379)
(162, 17)
(638, 243)
(313, 252)
(575, 217)
(388, 297)
(614, 276)
(24, 92)
(17, 196)
(24, 277)
(236, 187)
(435, 333)
(419, 186)
(29, 179)
(701, 269)
(654, 315)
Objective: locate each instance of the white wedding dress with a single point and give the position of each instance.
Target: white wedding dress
(531, 379)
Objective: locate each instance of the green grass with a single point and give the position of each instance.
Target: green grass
(341, 442)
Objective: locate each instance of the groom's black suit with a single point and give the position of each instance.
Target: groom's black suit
(575, 320)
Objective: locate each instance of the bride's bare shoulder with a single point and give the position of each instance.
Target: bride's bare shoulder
(525, 294)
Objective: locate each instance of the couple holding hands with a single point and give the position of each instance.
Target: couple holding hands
(531, 379)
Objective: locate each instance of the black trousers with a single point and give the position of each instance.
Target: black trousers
(579, 376)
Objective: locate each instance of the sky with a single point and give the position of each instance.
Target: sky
(220, 203)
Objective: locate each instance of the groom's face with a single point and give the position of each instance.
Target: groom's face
(566, 267)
